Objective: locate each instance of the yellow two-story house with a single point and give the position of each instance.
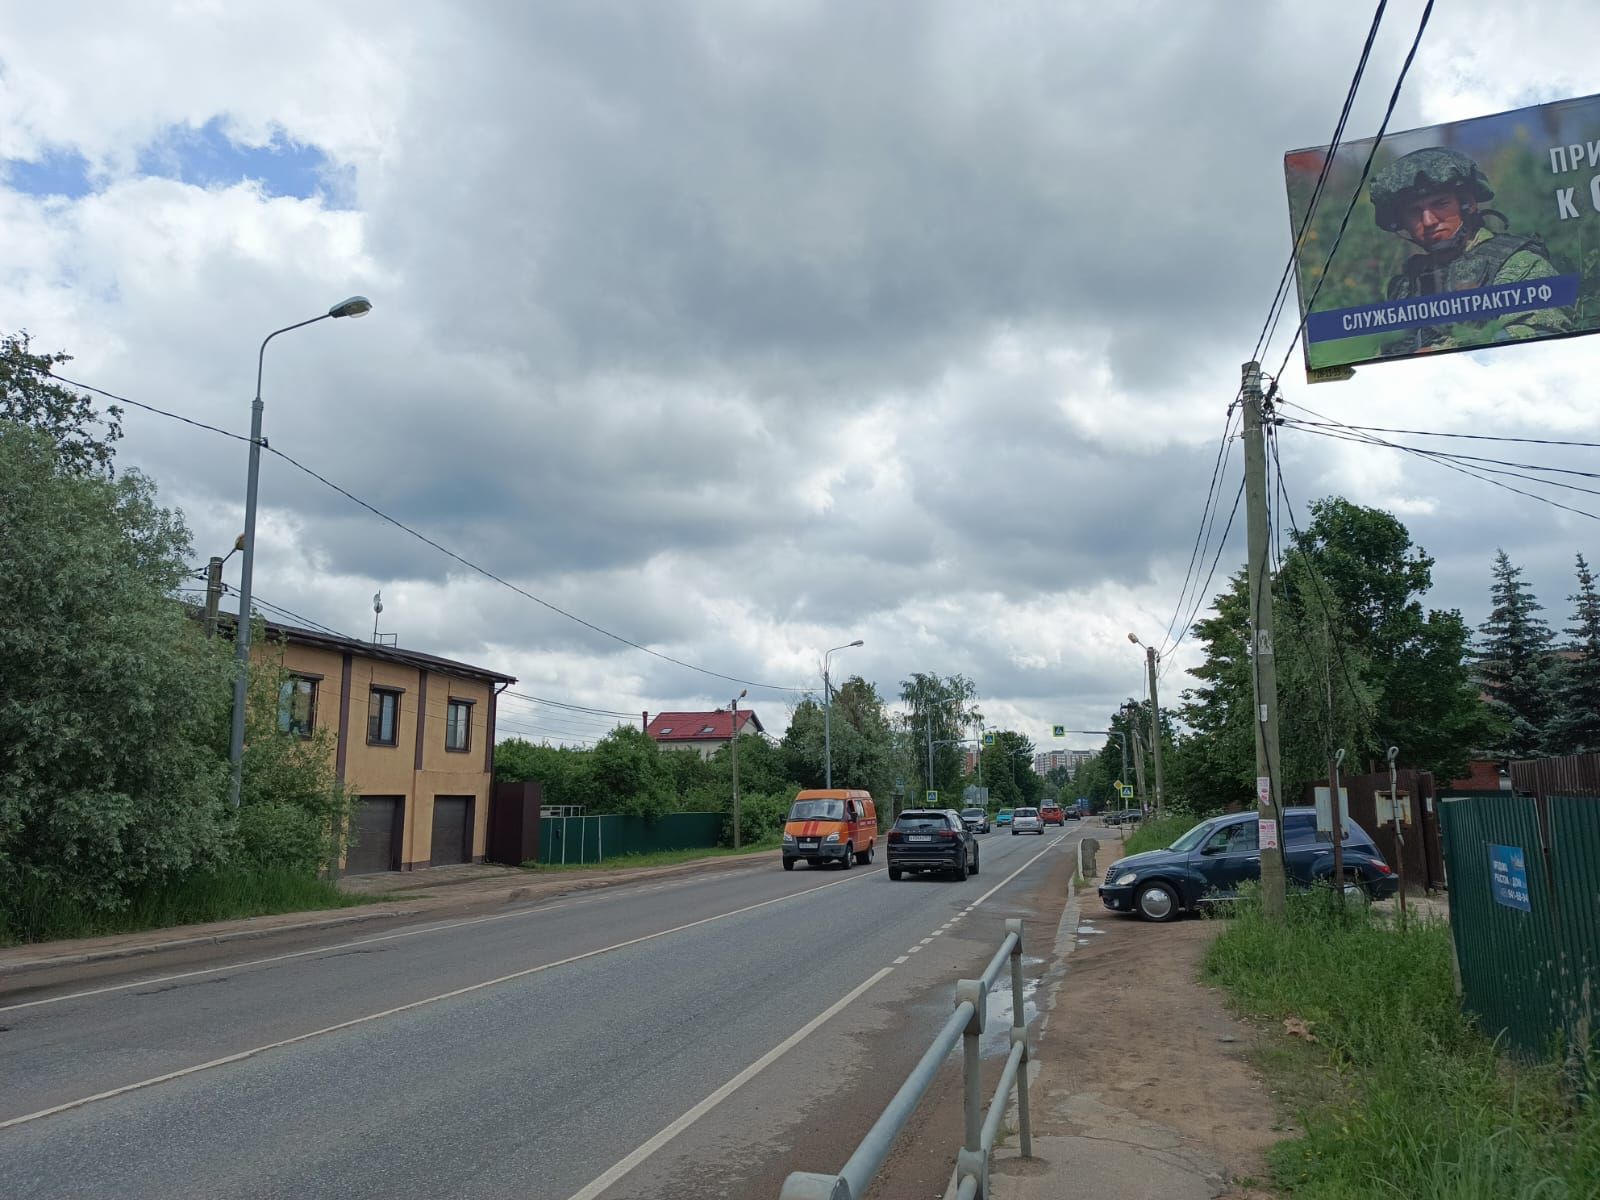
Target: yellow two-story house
(414, 738)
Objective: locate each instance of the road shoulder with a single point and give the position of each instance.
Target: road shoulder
(1145, 1085)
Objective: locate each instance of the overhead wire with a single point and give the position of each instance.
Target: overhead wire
(451, 554)
(1207, 521)
(1205, 588)
(1280, 297)
(1355, 192)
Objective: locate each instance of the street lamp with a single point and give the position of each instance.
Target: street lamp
(827, 714)
(355, 306)
(1151, 658)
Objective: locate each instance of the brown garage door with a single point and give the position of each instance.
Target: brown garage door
(377, 842)
(452, 828)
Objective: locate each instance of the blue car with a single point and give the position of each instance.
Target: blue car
(1210, 862)
(1003, 817)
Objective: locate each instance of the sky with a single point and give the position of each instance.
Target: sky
(746, 329)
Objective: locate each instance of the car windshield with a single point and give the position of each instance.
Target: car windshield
(1027, 812)
(922, 820)
(817, 810)
(1195, 836)
(972, 812)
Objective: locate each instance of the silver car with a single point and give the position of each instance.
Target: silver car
(1027, 820)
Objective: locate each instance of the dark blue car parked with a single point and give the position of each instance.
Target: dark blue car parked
(1210, 862)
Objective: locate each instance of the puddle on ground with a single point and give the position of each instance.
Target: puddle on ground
(996, 1039)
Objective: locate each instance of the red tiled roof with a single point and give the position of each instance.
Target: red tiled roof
(700, 726)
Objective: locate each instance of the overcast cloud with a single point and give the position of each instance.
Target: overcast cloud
(745, 329)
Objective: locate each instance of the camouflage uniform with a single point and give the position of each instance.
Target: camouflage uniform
(1476, 257)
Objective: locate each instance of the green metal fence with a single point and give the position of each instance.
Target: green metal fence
(601, 838)
(1525, 916)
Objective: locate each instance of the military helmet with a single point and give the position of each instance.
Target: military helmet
(1420, 172)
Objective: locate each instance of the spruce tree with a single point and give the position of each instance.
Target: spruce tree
(1514, 663)
(1576, 729)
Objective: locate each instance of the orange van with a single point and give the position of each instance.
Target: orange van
(831, 825)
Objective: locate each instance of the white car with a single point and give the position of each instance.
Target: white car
(1027, 820)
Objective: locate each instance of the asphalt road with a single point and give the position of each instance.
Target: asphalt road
(698, 1036)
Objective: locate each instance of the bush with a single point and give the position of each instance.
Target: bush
(761, 816)
(1421, 1103)
(1158, 833)
(280, 836)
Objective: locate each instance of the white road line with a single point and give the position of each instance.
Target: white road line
(901, 959)
(400, 1008)
(539, 910)
(1019, 870)
(914, 949)
(926, 940)
(604, 1180)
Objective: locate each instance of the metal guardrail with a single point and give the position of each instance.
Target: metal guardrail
(966, 1026)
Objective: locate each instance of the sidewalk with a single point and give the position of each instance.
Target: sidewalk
(1144, 1086)
(438, 891)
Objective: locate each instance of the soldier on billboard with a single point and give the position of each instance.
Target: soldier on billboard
(1433, 198)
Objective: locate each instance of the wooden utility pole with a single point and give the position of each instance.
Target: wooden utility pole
(213, 593)
(1264, 665)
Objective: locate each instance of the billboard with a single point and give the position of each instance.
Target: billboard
(1465, 235)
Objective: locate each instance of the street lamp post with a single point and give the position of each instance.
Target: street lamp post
(355, 306)
(827, 714)
(1151, 658)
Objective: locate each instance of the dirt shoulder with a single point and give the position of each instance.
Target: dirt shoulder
(1145, 1086)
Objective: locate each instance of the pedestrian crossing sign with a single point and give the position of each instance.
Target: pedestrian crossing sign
(1127, 791)
(1058, 731)
(988, 739)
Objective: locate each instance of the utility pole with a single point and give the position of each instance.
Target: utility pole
(733, 750)
(1399, 835)
(1155, 719)
(213, 594)
(1264, 665)
(929, 788)
(1138, 758)
(1338, 827)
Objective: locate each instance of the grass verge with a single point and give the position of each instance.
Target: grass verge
(37, 914)
(658, 858)
(1157, 834)
(1398, 1095)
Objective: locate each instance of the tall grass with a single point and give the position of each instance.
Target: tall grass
(1158, 833)
(37, 913)
(1406, 1098)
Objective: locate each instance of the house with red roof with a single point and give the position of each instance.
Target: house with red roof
(704, 732)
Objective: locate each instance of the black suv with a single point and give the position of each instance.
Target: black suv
(932, 839)
(976, 819)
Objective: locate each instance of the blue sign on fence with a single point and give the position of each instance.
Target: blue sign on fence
(1508, 876)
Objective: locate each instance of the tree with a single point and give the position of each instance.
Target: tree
(67, 417)
(1008, 770)
(114, 704)
(944, 708)
(1514, 663)
(1576, 726)
(862, 736)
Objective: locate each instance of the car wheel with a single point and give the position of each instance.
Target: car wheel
(973, 870)
(865, 856)
(849, 856)
(788, 864)
(961, 867)
(1157, 901)
(894, 874)
(1013, 831)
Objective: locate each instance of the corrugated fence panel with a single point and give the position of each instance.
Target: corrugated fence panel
(1575, 866)
(594, 839)
(1509, 959)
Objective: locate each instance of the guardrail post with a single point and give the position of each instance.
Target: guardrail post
(1019, 1033)
(975, 992)
(807, 1185)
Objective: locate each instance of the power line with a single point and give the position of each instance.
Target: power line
(1200, 595)
(1480, 437)
(1269, 327)
(1444, 460)
(605, 712)
(1355, 194)
(1208, 516)
(401, 525)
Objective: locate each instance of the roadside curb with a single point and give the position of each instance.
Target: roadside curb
(534, 888)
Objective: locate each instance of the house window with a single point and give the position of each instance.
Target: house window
(297, 705)
(458, 725)
(666, 730)
(708, 729)
(383, 717)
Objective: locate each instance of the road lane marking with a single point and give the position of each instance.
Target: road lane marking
(605, 1179)
(913, 949)
(901, 959)
(1019, 870)
(539, 910)
(241, 1055)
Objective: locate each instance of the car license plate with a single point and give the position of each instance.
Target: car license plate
(811, 845)
(919, 837)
